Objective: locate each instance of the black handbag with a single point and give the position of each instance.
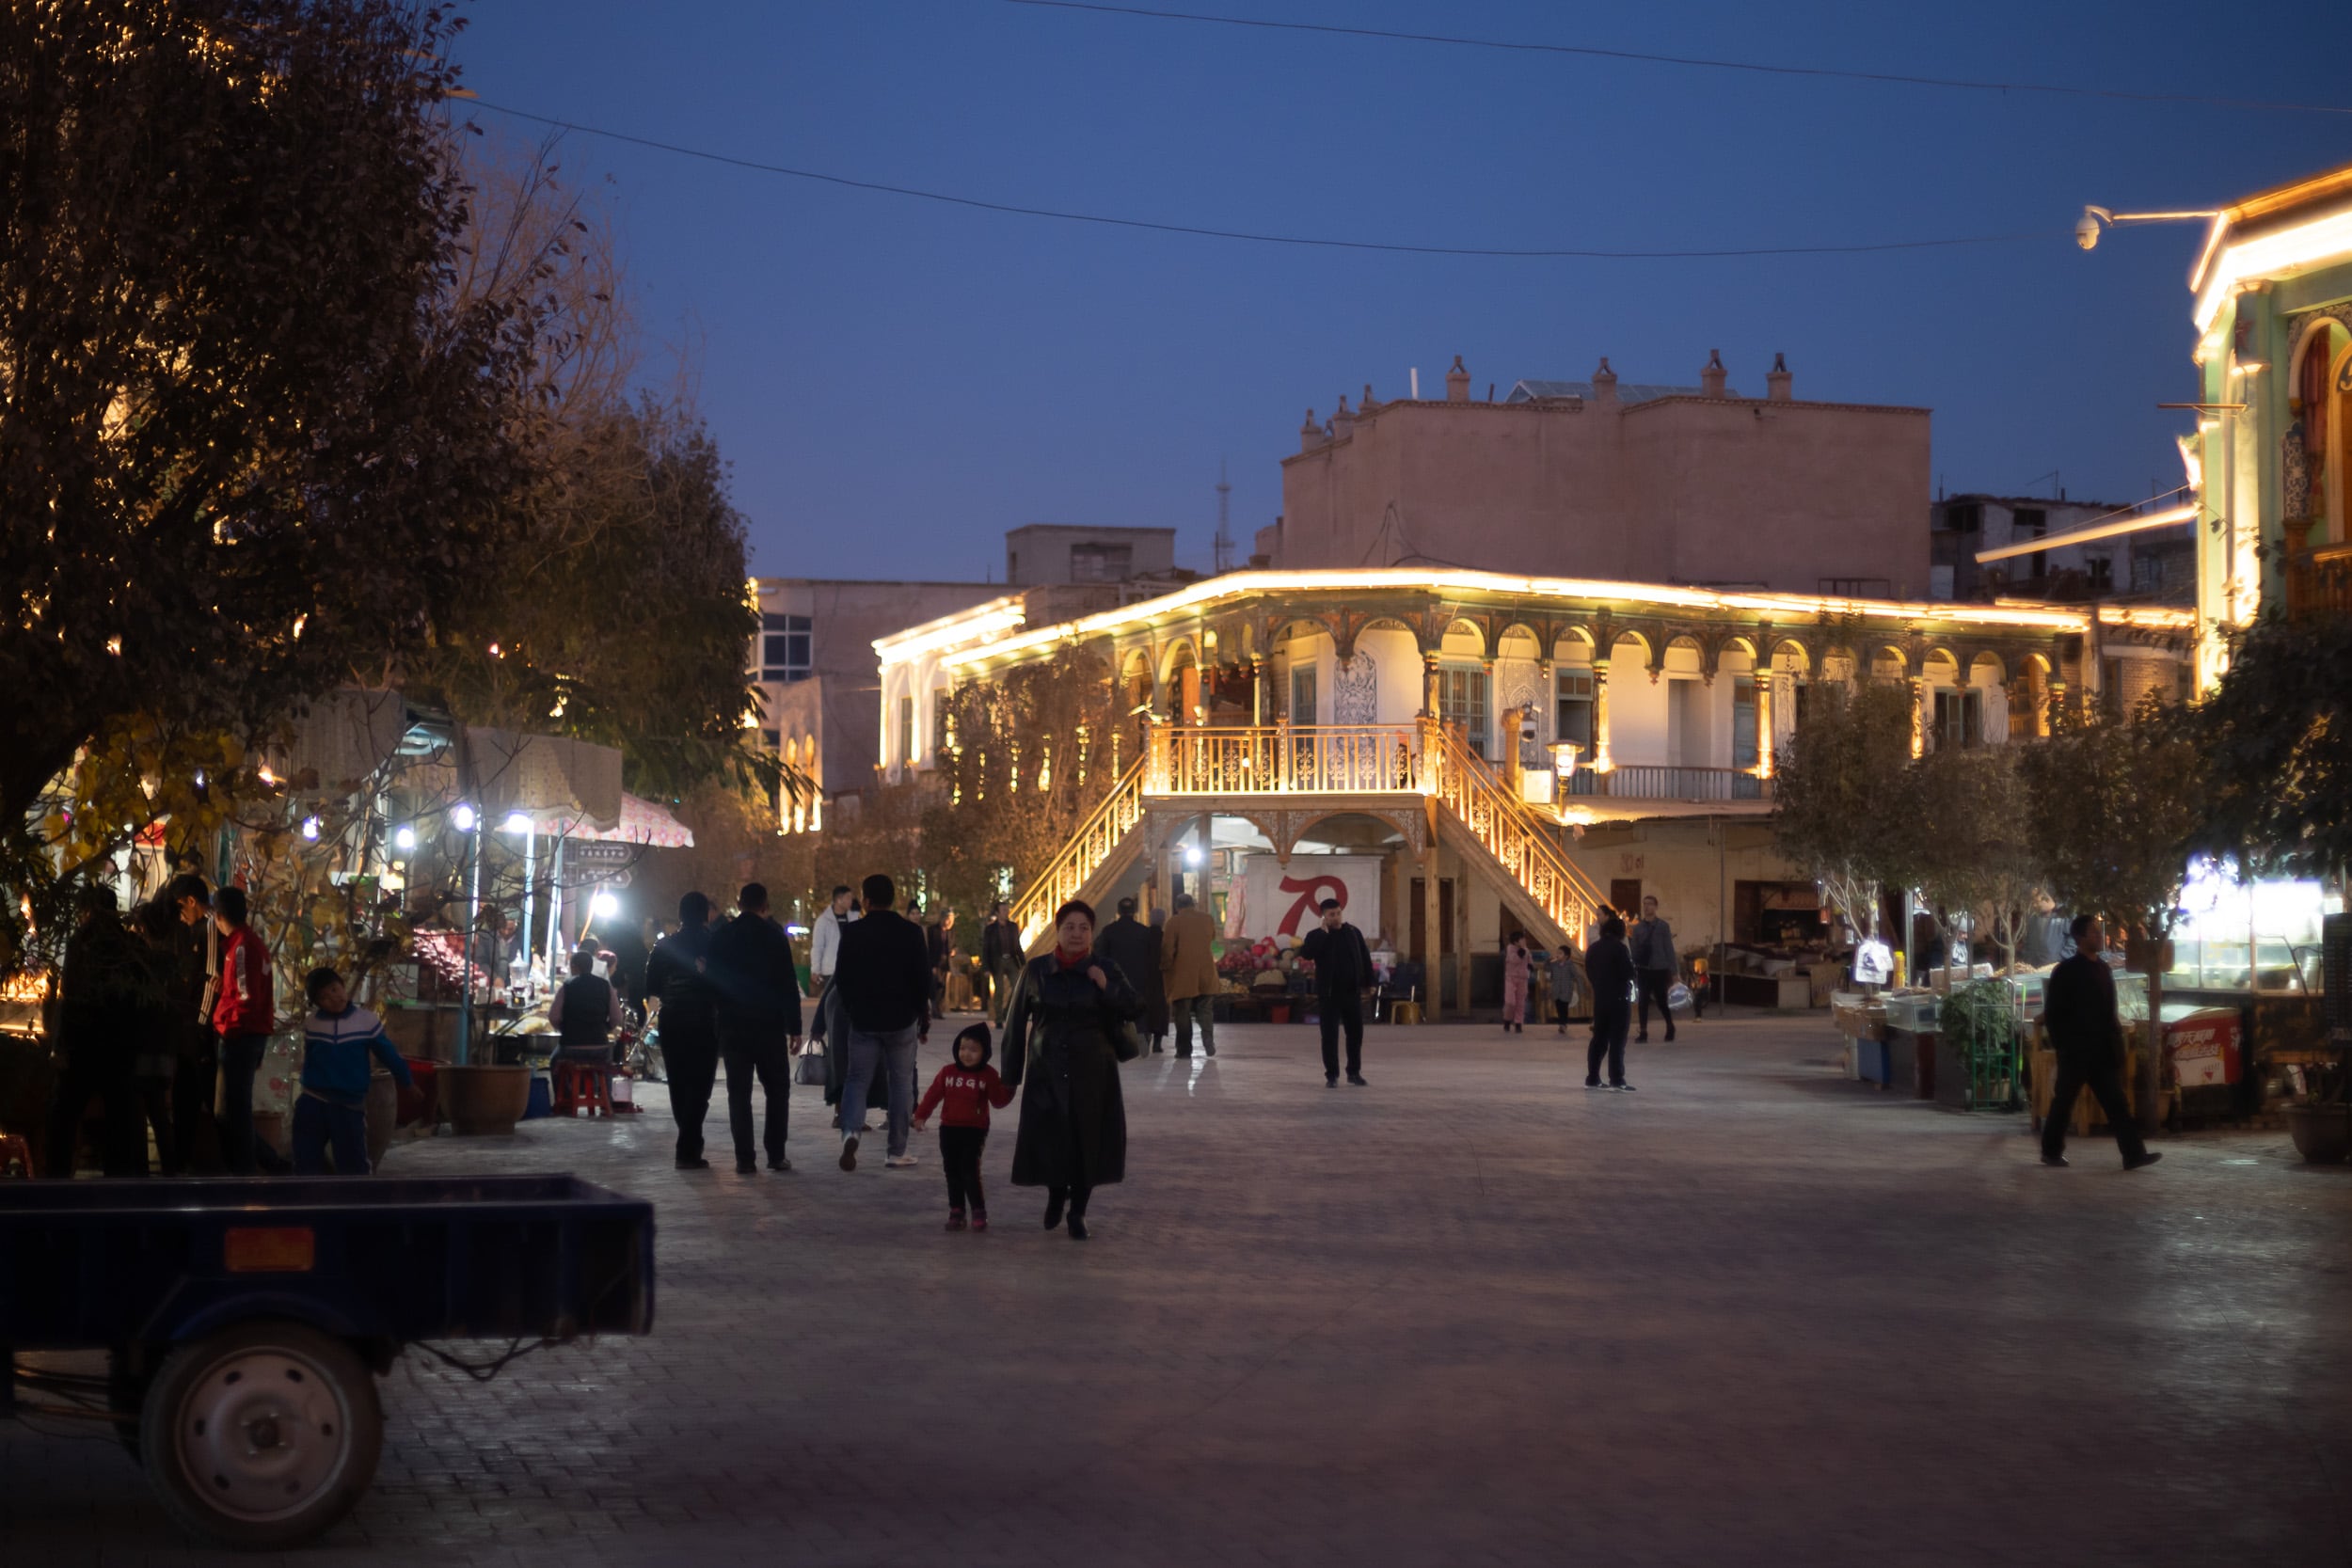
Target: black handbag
(811, 1066)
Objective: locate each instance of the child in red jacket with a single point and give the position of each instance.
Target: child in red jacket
(966, 1088)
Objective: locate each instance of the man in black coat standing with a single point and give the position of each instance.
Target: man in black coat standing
(885, 978)
(2079, 1010)
(1342, 971)
(1002, 958)
(1135, 949)
(676, 983)
(759, 1022)
(1609, 968)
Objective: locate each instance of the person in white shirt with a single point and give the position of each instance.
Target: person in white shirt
(824, 942)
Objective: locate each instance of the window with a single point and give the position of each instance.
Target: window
(1302, 694)
(784, 648)
(2102, 574)
(1573, 721)
(2031, 522)
(1964, 517)
(906, 730)
(940, 737)
(1099, 562)
(1462, 700)
(1959, 718)
(1744, 757)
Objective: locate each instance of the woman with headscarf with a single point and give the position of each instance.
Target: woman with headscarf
(1065, 1038)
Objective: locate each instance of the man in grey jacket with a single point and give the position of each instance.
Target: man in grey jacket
(1653, 945)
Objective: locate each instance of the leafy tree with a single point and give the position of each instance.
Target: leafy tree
(2116, 803)
(625, 619)
(1840, 797)
(1033, 753)
(1972, 830)
(2277, 738)
(250, 441)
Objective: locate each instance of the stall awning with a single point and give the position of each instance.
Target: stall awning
(639, 822)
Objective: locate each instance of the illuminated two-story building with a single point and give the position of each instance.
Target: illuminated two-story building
(1460, 753)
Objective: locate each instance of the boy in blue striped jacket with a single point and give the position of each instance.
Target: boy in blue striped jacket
(331, 1113)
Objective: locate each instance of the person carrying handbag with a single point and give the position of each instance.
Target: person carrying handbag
(1071, 1023)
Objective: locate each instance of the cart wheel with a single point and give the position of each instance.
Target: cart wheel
(262, 1435)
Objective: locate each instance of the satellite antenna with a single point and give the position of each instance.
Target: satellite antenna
(1224, 521)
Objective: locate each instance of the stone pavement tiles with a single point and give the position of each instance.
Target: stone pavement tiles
(1471, 1314)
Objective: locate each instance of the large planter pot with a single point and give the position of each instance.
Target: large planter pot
(2322, 1133)
(485, 1100)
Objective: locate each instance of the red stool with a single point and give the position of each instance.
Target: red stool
(16, 1156)
(582, 1086)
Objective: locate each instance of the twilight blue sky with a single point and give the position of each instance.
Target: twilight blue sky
(898, 381)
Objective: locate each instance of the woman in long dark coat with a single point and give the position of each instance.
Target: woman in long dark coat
(1062, 1053)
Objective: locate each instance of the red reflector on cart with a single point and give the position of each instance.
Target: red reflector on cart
(269, 1249)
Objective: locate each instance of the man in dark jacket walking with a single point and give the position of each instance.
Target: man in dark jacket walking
(1342, 971)
(675, 982)
(759, 1022)
(1001, 958)
(1609, 968)
(1134, 948)
(1652, 945)
(885, 978)
(939, 947)
(2079, 1010)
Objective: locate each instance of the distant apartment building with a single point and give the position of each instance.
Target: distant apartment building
(1058, 552)
(2155, 566)
(814, 664)
(1603, 479)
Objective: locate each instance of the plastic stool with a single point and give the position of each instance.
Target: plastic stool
(1403, 1012)
(582, 1086)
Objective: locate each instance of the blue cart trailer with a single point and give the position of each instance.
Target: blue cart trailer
(246, 1319)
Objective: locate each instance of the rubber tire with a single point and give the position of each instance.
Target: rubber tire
(186, 1500)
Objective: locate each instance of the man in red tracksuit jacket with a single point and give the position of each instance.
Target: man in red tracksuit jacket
(963, 1092)
(244, 1015)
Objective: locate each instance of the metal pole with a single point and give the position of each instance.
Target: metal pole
(465, 946)
(555, 915)
(531, 896)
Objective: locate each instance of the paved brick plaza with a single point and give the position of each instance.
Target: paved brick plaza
(1752, 1314)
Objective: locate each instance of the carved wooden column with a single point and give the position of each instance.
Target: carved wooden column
(1602, 761)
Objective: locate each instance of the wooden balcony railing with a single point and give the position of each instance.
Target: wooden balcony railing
(1272, 759)
(2319, 581)
(1643, 782)
(1371, 759)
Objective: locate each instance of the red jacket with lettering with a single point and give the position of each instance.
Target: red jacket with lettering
(965, 1093)
(246, 1006)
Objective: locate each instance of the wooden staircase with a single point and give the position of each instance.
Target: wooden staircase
(1097, 855)
(1487, 824)
(1471, 810)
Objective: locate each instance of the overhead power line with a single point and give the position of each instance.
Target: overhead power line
(1063, 215)
(1961, 84)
